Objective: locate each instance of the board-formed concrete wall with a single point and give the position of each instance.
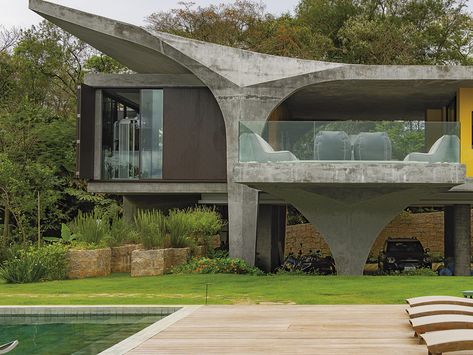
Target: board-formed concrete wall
(427, 227)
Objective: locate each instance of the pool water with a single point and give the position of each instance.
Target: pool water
(79, 335)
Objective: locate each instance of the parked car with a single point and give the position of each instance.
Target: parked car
(399, 254)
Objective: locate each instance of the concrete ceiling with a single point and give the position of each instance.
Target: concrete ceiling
(372, 99)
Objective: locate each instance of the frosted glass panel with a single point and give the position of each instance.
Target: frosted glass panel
(151, 134)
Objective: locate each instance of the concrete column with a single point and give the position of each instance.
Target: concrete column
(129, 209)
(242, 217)
(270, 235)
(462, 240)
(448, 231)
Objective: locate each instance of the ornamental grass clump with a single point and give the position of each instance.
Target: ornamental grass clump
(90, 228)
(179, 228)
(121, 232)
(151, 229)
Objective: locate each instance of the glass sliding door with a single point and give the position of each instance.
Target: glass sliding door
(151, 134)
(132, 134)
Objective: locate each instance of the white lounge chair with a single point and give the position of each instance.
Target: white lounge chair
(429, 300)
(6, 348)
(437, 309)
(445, 150)
(254, 148)
(427, 324)
(448, 340)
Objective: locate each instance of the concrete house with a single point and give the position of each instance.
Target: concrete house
(350, 146)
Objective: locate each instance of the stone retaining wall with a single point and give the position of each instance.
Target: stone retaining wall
(427, 227)
(89, 263)
(157, 262)
(121, 257)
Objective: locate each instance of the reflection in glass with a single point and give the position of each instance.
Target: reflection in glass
(132, 122)
(151, 134)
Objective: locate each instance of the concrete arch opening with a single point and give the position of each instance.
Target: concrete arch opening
(350, 199)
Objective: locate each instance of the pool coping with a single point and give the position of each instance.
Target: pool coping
(93, 310)
(174, 314)
(139, 338)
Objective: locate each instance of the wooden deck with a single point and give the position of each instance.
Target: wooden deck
(281, 329)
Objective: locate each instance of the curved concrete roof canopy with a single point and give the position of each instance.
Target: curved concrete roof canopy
(227, 70)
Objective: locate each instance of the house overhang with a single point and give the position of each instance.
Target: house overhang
(230, 69)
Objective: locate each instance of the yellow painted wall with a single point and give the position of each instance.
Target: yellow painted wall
(464, 112)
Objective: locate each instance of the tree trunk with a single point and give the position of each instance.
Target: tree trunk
(6, 224)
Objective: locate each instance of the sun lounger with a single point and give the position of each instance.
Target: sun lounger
(427, 324)
(6, 348)
(437, 309)
(448, 340)
(428, 300)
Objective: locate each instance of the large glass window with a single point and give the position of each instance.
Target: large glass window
(132, 134)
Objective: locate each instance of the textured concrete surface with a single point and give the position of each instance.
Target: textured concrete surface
(100, 80)
(302, 172)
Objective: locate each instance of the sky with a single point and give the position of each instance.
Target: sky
(16, 13)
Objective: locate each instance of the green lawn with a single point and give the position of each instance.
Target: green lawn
(232, 289)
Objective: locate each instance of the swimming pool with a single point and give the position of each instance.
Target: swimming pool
(81, 333)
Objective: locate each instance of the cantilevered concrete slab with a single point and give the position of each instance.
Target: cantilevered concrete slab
(250, 86)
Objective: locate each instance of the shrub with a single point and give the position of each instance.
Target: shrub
(179, 227)
(36, 264)
(151, 229)
(419, 272)
(204, 221)
(54, 259)
(90, 228)
(216, 266)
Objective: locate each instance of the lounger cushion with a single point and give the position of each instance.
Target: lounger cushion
(437, 309)
(429, 300)
(449, 340)
(426, 324)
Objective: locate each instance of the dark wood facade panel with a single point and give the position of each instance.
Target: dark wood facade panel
(194, 142)
(86, 132)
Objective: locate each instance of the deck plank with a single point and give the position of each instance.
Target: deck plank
(289, 329)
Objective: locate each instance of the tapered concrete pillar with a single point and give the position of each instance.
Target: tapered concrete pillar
(462, 240)
(242, 220)
(270, 236)
(350, 219)
(448, 229)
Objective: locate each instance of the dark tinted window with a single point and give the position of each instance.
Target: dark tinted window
(404, 247)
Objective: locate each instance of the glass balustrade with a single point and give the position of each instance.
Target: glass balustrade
(363, 141)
